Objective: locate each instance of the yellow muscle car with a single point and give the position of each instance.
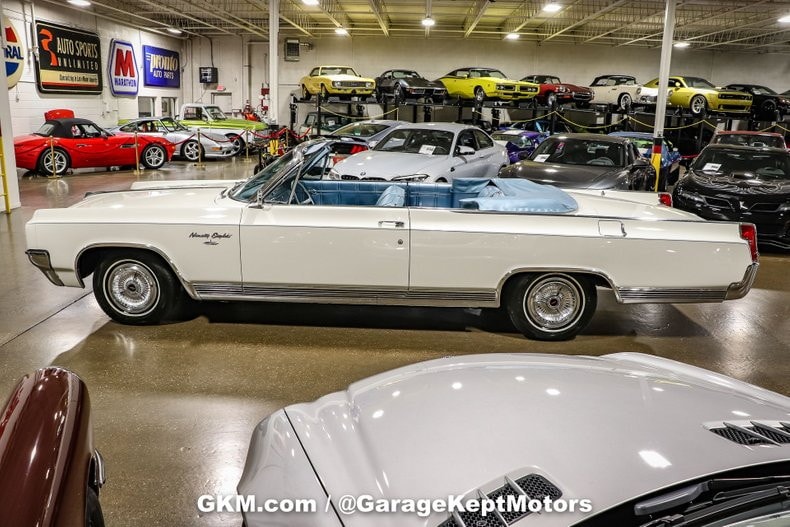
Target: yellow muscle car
(700, 96)
(335, 80)
(487, 83)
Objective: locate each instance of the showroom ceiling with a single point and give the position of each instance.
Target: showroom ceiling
(742, 25)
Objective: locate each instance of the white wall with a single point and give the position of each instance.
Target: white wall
(28, 104)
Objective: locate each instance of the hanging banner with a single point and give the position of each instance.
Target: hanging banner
(161, 67)
(69, 60)
(122, 68)
(14, 54)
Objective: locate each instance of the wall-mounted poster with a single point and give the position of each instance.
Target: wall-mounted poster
(14, 54)
(162, 67)
(69, 60)
(122, 68)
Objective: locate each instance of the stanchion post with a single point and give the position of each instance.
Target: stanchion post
(52, 158)
(136, 155)
(247, 146)
(200, 163)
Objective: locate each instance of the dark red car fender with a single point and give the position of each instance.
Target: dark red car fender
(46, 451)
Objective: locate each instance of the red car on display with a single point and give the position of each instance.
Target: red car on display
(64, 142)
(554, 92)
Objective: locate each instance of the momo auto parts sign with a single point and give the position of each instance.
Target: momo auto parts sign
(161, 67)
(14, 54)
(122, 69)
(69, 60)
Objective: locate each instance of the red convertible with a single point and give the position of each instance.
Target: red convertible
(68, 142)
(554, 92)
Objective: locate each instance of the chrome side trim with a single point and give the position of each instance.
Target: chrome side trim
(565, 270)
(184, 283)
(739, 289)
(347, 294)
(99, 475)
(667, 295)
(40, 258)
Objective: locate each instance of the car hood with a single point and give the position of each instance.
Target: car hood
(607, 429)
(176, 205)
(344, 77)
(227, 123)
(565, 176)
(573, 87)
(745, 184)
(391, 164)
(423, 83)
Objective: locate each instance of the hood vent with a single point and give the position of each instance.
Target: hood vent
(755, 433)
(533, 486)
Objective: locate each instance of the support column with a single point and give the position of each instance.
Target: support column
(274, 60)
(663, 86)
(8, 140)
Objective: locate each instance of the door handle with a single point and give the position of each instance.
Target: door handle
(395, 223)
(81, 145)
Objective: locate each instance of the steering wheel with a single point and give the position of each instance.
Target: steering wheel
(308, 200)
(603, 161)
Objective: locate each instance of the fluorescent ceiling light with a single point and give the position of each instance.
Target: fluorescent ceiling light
(310, 2)
(341, 31)
(428, 21)
(785, 19)
(174, 30)
(552, 7)
(681, 44)
(80, 3)
(512, 36)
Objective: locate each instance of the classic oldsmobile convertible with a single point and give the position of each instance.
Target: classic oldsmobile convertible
(287, 234)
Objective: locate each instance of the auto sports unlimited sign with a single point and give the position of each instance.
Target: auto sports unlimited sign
(122, 69)
(14, 54)
(69, 60)
(161, 67)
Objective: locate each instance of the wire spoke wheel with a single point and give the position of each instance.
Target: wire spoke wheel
(132, 288)
(553, 303)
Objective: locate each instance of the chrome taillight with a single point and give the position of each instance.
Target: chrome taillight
(749, 233)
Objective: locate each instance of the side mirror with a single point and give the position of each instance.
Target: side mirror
(259, 198)
(464, 151)
(641, 162)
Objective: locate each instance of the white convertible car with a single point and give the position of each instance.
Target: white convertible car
(287, 234)
(623, 440)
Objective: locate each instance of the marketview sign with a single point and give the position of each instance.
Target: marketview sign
(161, 67)
(122, 69)
(69, 60)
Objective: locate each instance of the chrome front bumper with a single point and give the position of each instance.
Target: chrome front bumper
(40, 258)
(739, 289)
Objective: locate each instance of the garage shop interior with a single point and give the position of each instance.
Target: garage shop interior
(419, 263)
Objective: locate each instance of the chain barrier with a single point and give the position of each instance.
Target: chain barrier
(359, 118)
(597, 127)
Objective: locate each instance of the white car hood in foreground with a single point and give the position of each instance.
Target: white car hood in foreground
(390, 164)
(607, 429)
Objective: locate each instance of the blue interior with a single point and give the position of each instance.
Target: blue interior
(507, 195)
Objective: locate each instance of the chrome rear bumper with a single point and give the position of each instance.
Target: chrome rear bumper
(739, 289)
(40, 258)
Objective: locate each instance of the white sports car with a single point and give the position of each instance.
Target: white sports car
(622, 440)
(429, 152)
(286, 234)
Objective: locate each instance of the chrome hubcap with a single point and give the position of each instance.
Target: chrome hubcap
(698, 105)
(60, 162)
(132, 288)
(154, 156)
(191, 150)
(553, 303)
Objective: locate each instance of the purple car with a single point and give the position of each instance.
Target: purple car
(519, 143)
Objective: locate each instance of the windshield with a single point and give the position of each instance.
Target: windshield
(613, 81)
(487, 73)
(360, 129)
(762, 90)
(417, 141)
(754, 140)
(571, 151)
(303, 155)
(46, 129)
(405, 74)
(518, 140)
(172, 126)
(696, 82)
(763, 165)
(216, 113)
(338, 70)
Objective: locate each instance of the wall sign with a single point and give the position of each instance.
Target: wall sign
(14, 54)
(122, 68)
(69, 60)
(161, 67)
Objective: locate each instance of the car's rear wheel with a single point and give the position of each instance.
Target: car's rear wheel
(238, 143)
(324, 93)
(550, 306)
(551, 100)
(191, 150)
(698, 105)
(768, 110)
(135, 287)
(153, 156)
(57, 157)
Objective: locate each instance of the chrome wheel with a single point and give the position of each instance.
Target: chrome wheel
(154, 156)
(624, 102)
(480, 95)
(551, 100)
(238, 143)
(58, 158)
(697, 105)
(191, 150)
(131, 288)
(553, 303)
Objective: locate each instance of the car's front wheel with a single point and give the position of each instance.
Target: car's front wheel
(238, 143)
(624, 102)
(698, 105)
(135, 287)
(480, 94)
(153, 156)
(191, 150)
(53, 161)
(551, 306)
(305, 93)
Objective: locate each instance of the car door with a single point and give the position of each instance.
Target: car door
(488, 159)
(99, 149)
(327, 251)
(466, 165)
